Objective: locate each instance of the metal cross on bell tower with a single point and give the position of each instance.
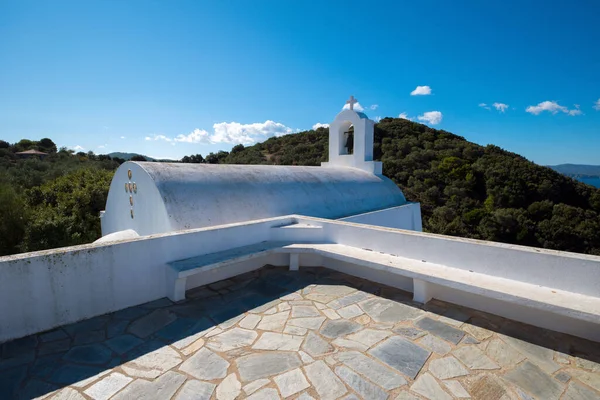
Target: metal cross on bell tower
(352, 101)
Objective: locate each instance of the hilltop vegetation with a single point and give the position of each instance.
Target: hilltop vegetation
(464, 189)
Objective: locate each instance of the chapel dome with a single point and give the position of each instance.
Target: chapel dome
(152, 197)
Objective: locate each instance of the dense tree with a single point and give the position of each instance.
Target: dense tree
(138, 158)
(464, 189)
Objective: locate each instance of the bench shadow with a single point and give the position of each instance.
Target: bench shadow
(46, 362)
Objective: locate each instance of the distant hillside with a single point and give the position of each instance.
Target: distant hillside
(464, 189)
(577, 169)
(128, 156)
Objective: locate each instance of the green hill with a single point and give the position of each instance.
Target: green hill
(464, 189)
(128, 156)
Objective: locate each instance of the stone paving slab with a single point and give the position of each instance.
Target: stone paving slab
(310, 334)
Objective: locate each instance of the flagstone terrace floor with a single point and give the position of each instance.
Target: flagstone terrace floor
(312, 334)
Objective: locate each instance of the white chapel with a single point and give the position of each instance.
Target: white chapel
(148, 198)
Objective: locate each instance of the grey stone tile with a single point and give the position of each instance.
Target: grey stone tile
(474, 358)
(369, 337)
(291, 382)
(116, 327)
(250, 321)
(89, 337)
(124, 343)
(10, 381)
(312, 323)
(401, 354)
(562, 377)
(372, 370)
(229, 388)
(440, 329)
(162, 388)
(205, 365)
(278, 341)
(45, 365)
(87, 325)
(255, 385)
(383, 310)
(305, 311)
(70, 373)
(350, 311)
(58, 346)
(130, 313)
(96, 354)
(35, 389)
(589, 378)
(232, 339)
(51, 336)
(434, 344)
(361, 386)
(454, 317)
(468, 339)
(68, 394)
(576, 391)
(21, 359)
(348, 300)
(264, 365)
(337, 328)
(265, 394)
(275, 322)
(503, 354)
(427, 386)
(350, 344)
(533, 380)
(541, 356)
(325, 382)
(151, 323)
(108, 386)
(335, 290)
(446, 368)
(409, 332)
(18, 347)
(196, 390)
(456, 389)
(404, 395)
(153, 359)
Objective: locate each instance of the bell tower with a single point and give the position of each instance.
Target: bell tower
(352, 149)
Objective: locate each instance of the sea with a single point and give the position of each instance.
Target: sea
(594, 181)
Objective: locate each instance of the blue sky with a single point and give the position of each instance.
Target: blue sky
(170, 78)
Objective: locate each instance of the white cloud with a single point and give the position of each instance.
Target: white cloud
(159, 137)
(552, 107)
(575, 111)
(78, 148)
(357, 107)
(102, 146)
(377, 118)
(432, 117)
(484, 105)
(374, 106)
(196, 136)
(500, 107)
(405, 116)
(236, 133)
(122, 137)
(421, 91)
(320, 125)
(597, 105)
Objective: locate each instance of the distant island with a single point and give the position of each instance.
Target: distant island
(589, 174)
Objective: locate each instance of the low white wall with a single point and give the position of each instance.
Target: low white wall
(46, 289)
(43, 290)
(577, 273)
(407, 216)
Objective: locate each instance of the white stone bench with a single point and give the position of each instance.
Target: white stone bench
(425, 276)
